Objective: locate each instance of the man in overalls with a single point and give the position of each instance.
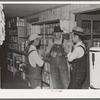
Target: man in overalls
(78, 59)
(35, 61)
(58, 64)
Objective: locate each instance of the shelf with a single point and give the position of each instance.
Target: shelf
(24, 37)
(65, 36)
(92, 34)
(13, 27)
(46, 22)
(38, 34)
(15, 35)
(46, 34)
(16, 51)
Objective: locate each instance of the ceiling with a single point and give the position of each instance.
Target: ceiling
(20, 10)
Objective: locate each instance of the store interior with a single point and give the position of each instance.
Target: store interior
(12, 78)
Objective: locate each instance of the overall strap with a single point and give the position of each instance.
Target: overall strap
(28, 58)
(82, 47)
(30, 52)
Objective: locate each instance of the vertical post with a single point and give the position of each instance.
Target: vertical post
(44, 38)
(91, 32)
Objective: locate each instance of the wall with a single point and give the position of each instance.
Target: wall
(67, 12)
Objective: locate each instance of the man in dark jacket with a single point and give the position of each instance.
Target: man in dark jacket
(78, 59)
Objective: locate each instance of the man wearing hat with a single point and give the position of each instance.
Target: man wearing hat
(58, 65)
(35, 62)
(78, 59)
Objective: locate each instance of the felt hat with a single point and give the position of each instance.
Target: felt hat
(57, 29)
(33, 37)
(78, 31)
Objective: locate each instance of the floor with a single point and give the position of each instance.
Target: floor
(17, 83)
(14, 82)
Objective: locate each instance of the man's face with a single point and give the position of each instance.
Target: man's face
(57, 35)
(36, 41)
(74, 38)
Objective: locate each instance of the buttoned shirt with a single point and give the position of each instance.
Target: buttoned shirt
(77, 52)
(34, 57)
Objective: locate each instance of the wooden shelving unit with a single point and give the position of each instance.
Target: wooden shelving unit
(15, 30)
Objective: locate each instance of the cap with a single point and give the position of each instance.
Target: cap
(33, 37)
(78, 30)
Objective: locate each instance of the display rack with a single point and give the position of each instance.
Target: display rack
(16, 59)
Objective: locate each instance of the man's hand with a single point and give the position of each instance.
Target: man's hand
(70, 46)
(54, 54)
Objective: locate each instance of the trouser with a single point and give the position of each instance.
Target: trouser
(77, 79)
(59, 78)
(59, 73)
(35, 76)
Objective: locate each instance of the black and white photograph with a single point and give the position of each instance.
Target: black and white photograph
(50, 46)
